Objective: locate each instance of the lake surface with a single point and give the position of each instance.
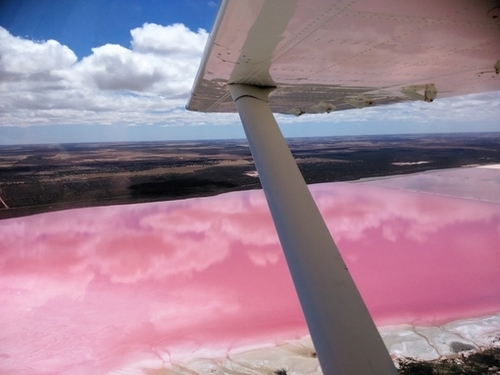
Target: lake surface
(96, 290)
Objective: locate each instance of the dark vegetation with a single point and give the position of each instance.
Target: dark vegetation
(486, 362)
(40, 178)
(179, 186)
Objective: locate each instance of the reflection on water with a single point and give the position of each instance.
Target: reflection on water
(94, 289)
(416, 257)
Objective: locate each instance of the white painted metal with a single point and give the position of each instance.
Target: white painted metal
(344, 335)
(322, 55)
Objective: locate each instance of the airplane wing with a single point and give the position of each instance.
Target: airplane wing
(326, 55)
(312, 56)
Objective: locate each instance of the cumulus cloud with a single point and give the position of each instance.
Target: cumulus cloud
(175, 39)
(473, 108)
(113, 67)
(23, 59)
(42, 82)
(148, 82)
(163, 60)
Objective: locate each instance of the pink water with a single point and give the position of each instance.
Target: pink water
(90, 290)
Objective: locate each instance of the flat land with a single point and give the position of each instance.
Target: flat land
(41, 178)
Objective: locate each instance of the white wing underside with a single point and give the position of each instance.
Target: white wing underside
(326, 55)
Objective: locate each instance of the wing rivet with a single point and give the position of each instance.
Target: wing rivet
(494, 12)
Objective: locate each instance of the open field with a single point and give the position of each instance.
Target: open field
(40, 178)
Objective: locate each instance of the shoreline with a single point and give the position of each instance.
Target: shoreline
(297, 355)
(38, 179)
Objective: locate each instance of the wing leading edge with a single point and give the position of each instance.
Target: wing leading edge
(324, 55)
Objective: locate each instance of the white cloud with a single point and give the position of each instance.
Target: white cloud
(41, 82)
(174, 39)
(113, 67)
(163, 60)
(23, 59)
(468, 108)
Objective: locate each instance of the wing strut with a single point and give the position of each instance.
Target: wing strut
(344, 335)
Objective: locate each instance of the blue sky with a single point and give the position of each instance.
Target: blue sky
(84, 24)
(86, 71)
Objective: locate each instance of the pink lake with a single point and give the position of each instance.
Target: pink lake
(89, 291)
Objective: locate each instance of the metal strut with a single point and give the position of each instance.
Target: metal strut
(344, 335)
